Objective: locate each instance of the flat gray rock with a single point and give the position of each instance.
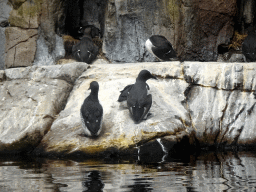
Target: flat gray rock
(30, 100)
(168, 114)
(210, 102)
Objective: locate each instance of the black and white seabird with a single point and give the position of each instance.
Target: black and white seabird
(92, 112)
(249, 46)
(85, 50)
(160, 47)
(138, 99)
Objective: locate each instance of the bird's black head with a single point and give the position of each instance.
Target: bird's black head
(144, 75)
(89, 31)
(94, 86)
(94, 126)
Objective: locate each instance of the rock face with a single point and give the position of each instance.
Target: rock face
(50, 46)
(20, 46)
(214, 27)
(195, 28)
(4, 12)
(211, 103)
(221, 102)
(32, 37)
(30, 100)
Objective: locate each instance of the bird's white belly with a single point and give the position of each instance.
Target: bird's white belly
(149, 46)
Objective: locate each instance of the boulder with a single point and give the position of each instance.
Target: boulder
(169, 116)
(221, 102)
(31, 98)
(211, 104)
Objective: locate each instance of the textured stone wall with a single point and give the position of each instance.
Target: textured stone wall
(31, 37)
(195, 28)
(4, 14)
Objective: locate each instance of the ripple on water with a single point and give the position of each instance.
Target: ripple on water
(229, 172)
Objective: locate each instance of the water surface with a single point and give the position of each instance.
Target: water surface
(208, 172)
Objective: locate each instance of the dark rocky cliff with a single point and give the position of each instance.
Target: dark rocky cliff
(197, 29)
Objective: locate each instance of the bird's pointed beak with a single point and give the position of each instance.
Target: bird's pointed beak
(153, 77)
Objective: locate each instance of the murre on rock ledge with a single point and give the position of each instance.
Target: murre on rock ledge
(138, 99)
(92, 112)
(85, 50)
(161, 48)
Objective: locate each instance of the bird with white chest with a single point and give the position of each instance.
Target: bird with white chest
(161, 48)
(92, 112)
(138, 100)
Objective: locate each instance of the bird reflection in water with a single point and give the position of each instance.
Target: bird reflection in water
(93, 182)
(141, 185)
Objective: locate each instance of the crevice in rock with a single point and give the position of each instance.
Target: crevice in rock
(187, 93)
(159, 135)
(249, 111)
(228, 126)
(48, 116)
(238, 135)
(221, 120)
(14, 56)
(220, 89)
(22, 41)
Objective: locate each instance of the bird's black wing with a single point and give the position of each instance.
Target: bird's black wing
(124, 93)
(146, 105)
(85, 113)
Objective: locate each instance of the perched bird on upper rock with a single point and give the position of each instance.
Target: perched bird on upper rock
(94, 31)
(138, 99)
(160, 47)
(85, 50)
(249, 46)
(92, 112)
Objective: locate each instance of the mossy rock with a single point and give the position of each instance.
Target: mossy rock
(173, 9)
(26, 15)
(16, 3)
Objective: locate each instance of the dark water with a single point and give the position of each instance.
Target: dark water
(208, 172)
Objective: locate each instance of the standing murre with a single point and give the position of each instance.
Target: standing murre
(161, 48)
(92, 112)
(138, 99)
